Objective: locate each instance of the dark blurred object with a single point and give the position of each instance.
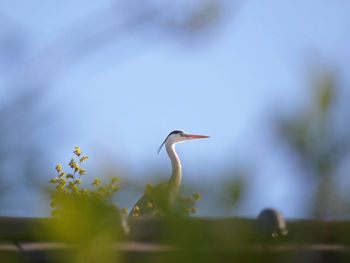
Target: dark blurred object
(271, 224)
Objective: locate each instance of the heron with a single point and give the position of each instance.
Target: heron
(160, 199)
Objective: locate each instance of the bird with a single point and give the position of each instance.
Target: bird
(159, 200)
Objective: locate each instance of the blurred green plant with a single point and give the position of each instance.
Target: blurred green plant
(84, 217)
(319, 147)
(155, 203)
(186, 205)
(232, 191)
(69, 190)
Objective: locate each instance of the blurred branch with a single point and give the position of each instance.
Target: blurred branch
(312, 137)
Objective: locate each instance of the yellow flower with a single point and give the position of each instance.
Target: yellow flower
(82, 171)
(96, 182)
(115, 179)
(78, 181)
(58, 168)
(149, 205)
(62, 181)
(72, 163)
(136, 209)
(54, 180)
(75, 188)
(83, 159)
(77, 151)
(76, 167)
(125, 211)
(194, 210)
(116, 189)
(197, 196)
(55, 213)
(69, 176)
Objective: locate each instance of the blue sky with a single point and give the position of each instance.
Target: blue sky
(126, 97)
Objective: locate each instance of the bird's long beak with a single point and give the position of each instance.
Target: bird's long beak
(194, 136)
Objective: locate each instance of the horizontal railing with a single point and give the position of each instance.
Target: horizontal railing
(192, 239)
(211, 229)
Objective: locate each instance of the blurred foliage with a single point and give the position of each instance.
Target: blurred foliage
(88, 227)
(313, 136)
(233, 189)
(155, 202)
(85, 218)
(69, 190)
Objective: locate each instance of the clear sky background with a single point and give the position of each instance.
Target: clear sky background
(121, 101)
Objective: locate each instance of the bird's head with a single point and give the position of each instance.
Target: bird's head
(180, 136)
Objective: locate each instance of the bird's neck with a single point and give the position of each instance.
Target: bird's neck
(176, 176)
